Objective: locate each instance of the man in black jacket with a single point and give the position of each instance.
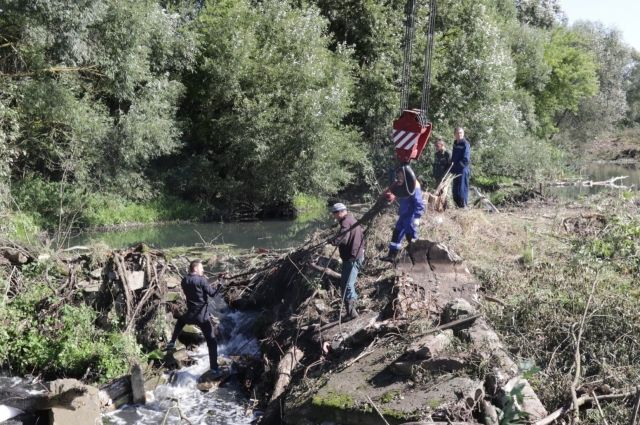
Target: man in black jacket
(198, 291)
(350, 243)
(441, 161)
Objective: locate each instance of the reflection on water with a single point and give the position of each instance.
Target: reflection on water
(258, 234)
(600, 172)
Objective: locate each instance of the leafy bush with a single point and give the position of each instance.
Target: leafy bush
(66, 342)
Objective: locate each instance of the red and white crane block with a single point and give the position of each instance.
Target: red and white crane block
(410, 136)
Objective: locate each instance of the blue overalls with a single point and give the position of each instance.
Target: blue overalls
(411, 207)
(461, 160)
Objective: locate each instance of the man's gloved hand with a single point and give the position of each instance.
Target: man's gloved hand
(416, 222)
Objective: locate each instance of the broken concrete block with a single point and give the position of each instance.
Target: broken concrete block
(430, 346)
(487, 345)
(137, 385)
(87, 405)
(135, 280)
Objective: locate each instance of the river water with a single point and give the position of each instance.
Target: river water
(245, 235)
(224, 406)
(600, 172)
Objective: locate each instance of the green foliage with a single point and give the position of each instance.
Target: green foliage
(632, 89)
(309, 207)
(604, 111)
(49, 202)
(95, 87)
(511, 413)
(617, 246)
(67, 342)
(573, 78)
(267, 106)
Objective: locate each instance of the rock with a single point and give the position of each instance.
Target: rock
(531, 404)
(191, 334)
(89, 286)
(430, 346)
(211, 380)
(96, 274)
(172, 282)
(87, 406)
(172, 296)
(457, 309)
(135, 280)
(15, 256)
(321, 306)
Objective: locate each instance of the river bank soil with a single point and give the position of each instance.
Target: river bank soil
(530, 280)
(623, 147)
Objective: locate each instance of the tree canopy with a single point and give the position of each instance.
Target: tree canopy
(227, 102)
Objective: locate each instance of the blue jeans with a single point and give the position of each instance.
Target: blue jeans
(350, 269)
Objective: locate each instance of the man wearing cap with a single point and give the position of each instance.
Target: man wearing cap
(350, 243)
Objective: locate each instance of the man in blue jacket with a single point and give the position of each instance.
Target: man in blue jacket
(411, 209)
(197, 291)
(461, 162)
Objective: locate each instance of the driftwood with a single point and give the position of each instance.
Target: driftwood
(437, 201)
(115, 394)
(287, 364)
(325, 270)
(33, 402)
(589, 183)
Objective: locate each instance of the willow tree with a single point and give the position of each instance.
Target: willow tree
(94, 87)
(267, 103)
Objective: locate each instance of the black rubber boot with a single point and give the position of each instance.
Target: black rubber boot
(352, 313)
(390, 257)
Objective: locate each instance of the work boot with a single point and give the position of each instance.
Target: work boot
(390, 257)
(352, 313)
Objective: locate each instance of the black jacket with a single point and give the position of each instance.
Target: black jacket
(197, 290)
(351, 243)
(441, 163)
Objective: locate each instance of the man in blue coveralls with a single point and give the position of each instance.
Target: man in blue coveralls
(461, 161)
(411, 209)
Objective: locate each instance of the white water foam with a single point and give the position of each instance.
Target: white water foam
(223, 406)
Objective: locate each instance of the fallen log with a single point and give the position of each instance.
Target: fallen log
(589, 183)
(287, 364)
(325, 270)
